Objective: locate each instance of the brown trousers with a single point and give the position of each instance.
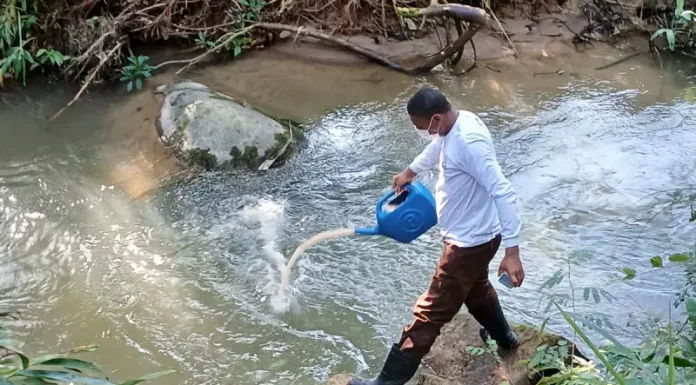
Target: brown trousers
(461, 277)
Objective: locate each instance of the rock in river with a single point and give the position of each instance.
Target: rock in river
(459, 357)
(213, 130)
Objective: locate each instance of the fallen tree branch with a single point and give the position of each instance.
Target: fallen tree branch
(269, 162)
(89, 79)
(619, 61)
(455, 11)
(428, 65)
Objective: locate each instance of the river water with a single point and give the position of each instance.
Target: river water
(183, 277)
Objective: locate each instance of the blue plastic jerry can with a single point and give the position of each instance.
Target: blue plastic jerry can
(404, 216)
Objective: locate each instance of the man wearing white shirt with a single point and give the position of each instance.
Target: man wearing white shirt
(477, 211)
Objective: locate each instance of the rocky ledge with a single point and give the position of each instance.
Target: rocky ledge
(460, 357)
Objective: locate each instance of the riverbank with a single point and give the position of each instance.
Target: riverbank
(94, 49)
(333, 78)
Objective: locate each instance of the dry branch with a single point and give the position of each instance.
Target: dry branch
(89, 79)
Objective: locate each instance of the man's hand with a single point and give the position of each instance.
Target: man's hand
(511, 264)
(402, 178)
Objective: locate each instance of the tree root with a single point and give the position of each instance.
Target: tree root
(428, 65)
(460, 13)
(89, 79)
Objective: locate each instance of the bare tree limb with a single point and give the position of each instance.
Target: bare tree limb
(89, 79)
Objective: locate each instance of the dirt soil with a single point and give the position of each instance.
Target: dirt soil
(451, 363)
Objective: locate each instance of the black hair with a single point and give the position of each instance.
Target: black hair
(427, 102)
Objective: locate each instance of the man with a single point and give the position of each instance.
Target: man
(477, 211)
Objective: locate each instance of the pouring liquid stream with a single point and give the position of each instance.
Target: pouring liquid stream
(320, 237)
(402, 216)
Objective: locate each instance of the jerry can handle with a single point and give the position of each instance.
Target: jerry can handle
(388, 195)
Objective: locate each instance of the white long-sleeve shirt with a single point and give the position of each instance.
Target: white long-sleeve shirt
(475, 201)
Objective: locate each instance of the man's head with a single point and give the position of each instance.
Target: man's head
(430, 112)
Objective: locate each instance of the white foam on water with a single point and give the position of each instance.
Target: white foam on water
(269, 215)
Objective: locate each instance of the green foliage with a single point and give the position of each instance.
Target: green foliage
(557, 366)
(18, 368)
(241, 43)
(136, 72)
(16, 55)
(50, 56)
(666, 353)
(679, 30)
(252, 12)
(491, 348)
(202, 42)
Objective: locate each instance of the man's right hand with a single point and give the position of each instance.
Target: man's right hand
(402, 178)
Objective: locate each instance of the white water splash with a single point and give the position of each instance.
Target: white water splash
(269, 215)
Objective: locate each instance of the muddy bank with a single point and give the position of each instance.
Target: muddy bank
(544, 34)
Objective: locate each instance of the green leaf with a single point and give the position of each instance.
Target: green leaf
(619, 378)
(595, 295)
(148, 377)
(656, 261)
(607, 295)
(669, 34)
(555, 279)
(41, 52)
(691, 311)
(125, 78)
(628, 273)
(243, 2)
(147, 74)
(25, 360)
(139, 83)
(679, 258)
(237, 50)
(671, 40)
(688, 347)
(70, 363)
(63, 377)
(28, 57)
(129, 87)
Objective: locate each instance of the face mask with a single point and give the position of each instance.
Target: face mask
(425, 134)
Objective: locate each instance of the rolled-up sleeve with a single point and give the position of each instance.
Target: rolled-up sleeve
(427, 159)
(481, 163)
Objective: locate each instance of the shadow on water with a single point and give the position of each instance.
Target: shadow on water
(183, 278)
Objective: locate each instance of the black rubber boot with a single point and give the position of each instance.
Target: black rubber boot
(496, 326)
(508, 341)
(398, 369)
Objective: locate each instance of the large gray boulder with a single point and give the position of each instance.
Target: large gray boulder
(212, 130)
